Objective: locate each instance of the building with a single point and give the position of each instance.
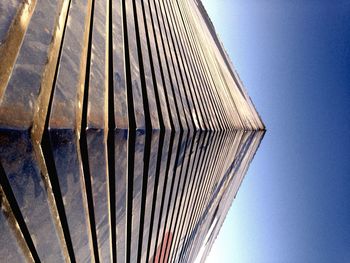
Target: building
(125, 132)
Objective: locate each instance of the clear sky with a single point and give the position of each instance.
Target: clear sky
(294, 59)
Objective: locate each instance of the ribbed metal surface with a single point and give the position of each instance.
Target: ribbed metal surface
(125, 132)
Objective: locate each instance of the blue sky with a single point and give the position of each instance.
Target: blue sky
(294, 59)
